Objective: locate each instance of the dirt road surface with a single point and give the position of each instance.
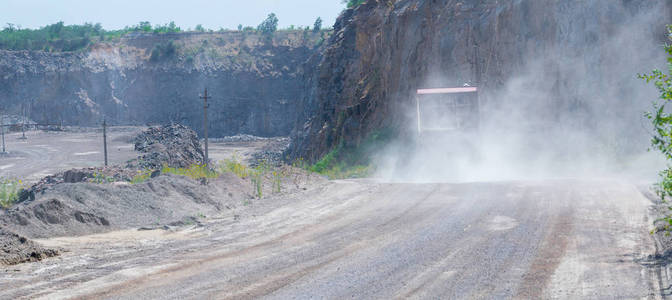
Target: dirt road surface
(45, 153)
(361, 239)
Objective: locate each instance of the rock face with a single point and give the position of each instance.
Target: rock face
(555, 62)
(255, 83)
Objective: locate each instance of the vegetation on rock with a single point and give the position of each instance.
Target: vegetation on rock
(353, 161)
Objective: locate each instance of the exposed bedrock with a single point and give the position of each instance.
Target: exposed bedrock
(256, 84)
(542, 61)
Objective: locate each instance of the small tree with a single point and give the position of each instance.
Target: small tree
(172, 27)
(269, 26)
(353, 3)
(200, 28)
(240, 27)
(661, 119)
(145, 26)
(318, 25)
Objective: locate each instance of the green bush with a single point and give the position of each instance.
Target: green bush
(101, 178)
(163, 51)
(9, 191)
(661, 120)
(353, 161)
(234, 166)
(354, 3)
(141, 177)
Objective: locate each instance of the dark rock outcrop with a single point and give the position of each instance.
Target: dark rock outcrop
(568, 62)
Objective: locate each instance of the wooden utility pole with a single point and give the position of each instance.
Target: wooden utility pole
(2, 125)
(23, 122)
(105, 140)
(205, 125)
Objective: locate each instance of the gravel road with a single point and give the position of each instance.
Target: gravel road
(361, 239)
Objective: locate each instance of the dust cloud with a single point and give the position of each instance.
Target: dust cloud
(574, 110)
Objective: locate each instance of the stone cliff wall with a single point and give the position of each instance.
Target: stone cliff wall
(256, 84)
(564, 59)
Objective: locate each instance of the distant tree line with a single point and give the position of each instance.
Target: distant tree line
(59, 37)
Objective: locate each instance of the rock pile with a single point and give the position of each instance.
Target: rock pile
(173, 145)
(272, 153)
(91, 174)
(15, 249)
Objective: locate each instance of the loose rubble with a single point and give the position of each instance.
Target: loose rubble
(15, 249)
(272, 153)
(91, 174)
(100, 199)
(174, 145)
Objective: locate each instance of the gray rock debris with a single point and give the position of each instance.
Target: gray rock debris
(173, 145)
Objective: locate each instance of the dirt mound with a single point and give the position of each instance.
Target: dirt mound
(15, 249)
(84, 208)
(91, 174)
(173, 145)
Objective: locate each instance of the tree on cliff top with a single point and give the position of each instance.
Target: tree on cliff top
(269, 26)
(318, 25)
(353, 3)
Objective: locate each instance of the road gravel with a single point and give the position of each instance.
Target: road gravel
(363, 239)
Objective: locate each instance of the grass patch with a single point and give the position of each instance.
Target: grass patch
(193, 172)
(141, 177)
(259, 175)
(235, 166)
(354, 161)
(101, 178)
(9, 191)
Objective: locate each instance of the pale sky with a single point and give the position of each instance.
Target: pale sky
(212, 14)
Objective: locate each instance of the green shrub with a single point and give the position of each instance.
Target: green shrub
(354, 3)
(163, 51)
(101, 178)
(141, 177)
(9, 191)
(353, 161)
(661, 120)
(234, 166)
